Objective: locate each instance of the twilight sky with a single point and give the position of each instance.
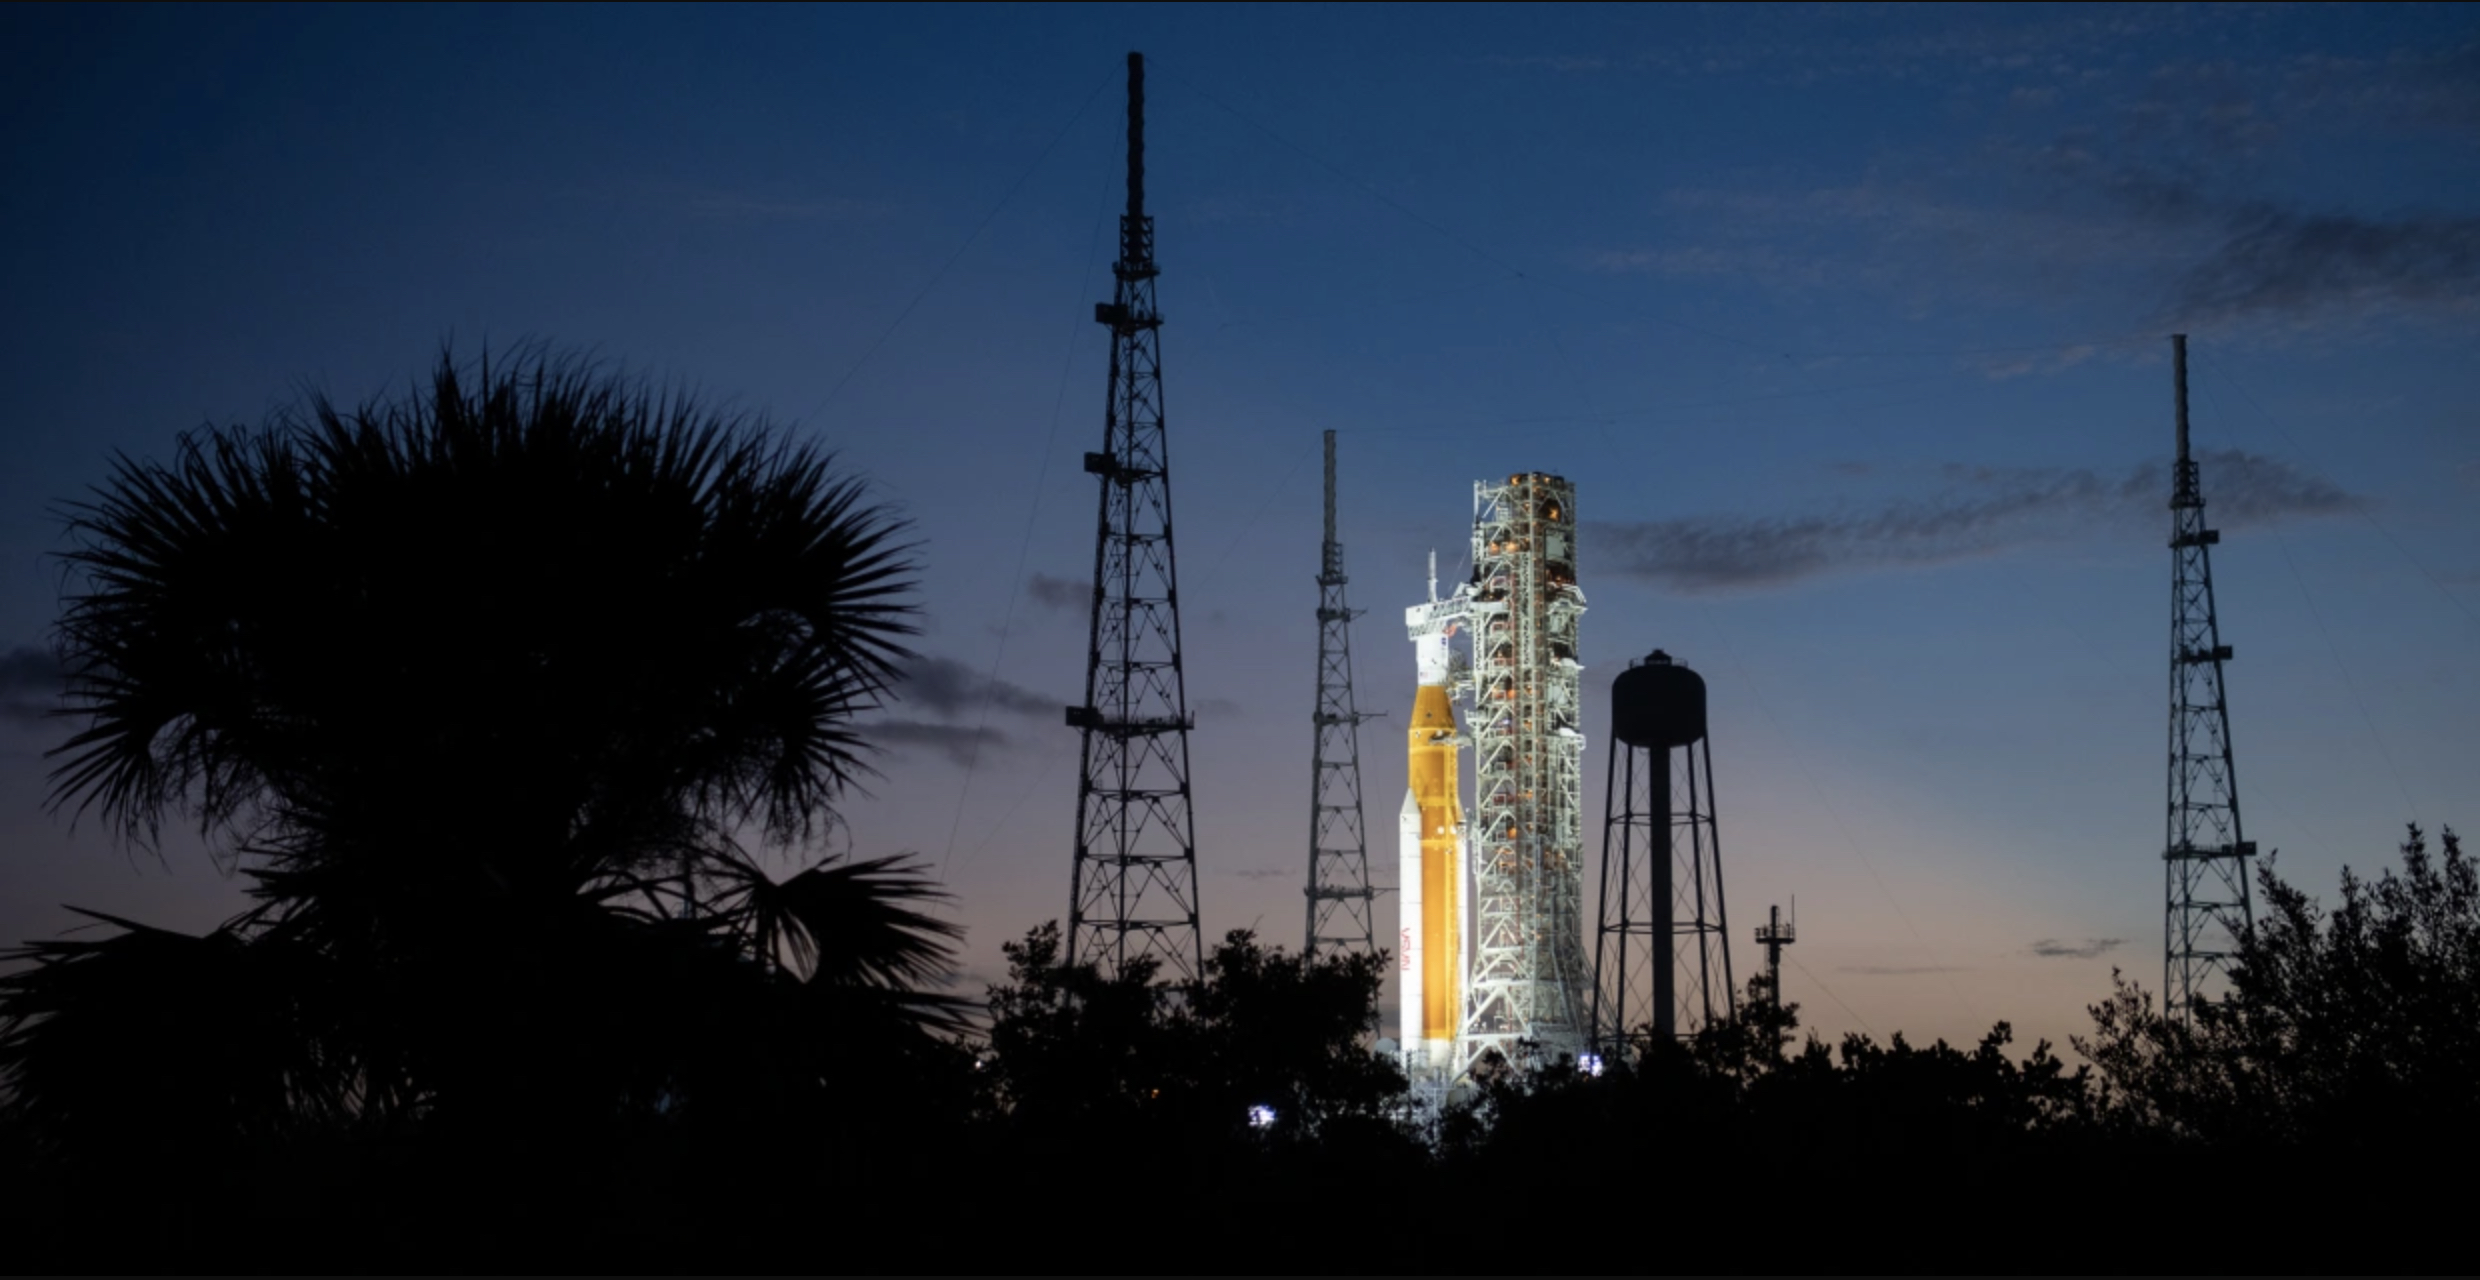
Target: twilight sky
(1849, 323)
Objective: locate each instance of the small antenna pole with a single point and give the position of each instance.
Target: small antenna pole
(1774, 935)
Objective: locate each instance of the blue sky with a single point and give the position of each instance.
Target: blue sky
(1849, 322)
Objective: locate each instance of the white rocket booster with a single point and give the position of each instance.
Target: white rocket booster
(1408, 904)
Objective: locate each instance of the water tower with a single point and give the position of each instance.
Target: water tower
(1662, 966)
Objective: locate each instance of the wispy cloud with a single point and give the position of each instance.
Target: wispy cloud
(1983, 511)
(1266, 873)
(947, 687)
(2154, 196)
(826, 209)
(1803, 44)
(2175, 164)
(29, 684)
(2002, 366)
(1564, 63)
(1228, 208)
(958, 742)
(2433, 88)
(1065, 594)
(949, 690)
(1910, 238)
(2292, 263)
(1769, 263)
(2088, 949)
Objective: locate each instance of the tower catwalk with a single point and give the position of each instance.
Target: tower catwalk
(2205, 860)
(1527, 974)
(1342, 909)
(1133, 890)
(1662, 969)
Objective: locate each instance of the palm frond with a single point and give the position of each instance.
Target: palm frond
(150, 1036)
(847, 924)
(171, 643)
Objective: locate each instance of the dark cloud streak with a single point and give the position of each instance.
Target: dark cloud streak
(30, 684)
(2284, 262)
(1060, 593)
(955, 741)
(947, 687)
(2250, 258)
(2088, 949)
(1985, 512)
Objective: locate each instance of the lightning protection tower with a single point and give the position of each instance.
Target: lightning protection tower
(1133, 891)
(1342, 906)
(1663, 966)
(1527, 978)
(2206, 859)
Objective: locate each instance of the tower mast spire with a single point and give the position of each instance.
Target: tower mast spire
(2205, 861)
(1133, 889)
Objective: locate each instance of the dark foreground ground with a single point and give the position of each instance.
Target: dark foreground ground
(665, 1208)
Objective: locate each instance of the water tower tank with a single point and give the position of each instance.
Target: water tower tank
(1657, 703)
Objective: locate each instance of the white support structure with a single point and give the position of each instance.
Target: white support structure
(1528, 973)
(1519, 932)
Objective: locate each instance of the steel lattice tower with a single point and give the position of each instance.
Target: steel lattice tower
(1662, 968)
(1342, 906)
(1133, 892)
(1527, 967)
(2206, 858)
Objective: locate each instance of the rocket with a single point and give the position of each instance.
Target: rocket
(1430, 866)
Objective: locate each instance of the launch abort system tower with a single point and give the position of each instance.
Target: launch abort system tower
(1133, 891)
(1519, 976)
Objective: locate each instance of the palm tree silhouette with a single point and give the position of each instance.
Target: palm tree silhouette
(497, 693)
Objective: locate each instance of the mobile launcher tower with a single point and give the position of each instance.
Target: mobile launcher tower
(1492, 942)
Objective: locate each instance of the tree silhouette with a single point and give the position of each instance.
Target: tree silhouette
(496, 693)
(1246, 1096)
(2345, 1031)
(1265, 1042)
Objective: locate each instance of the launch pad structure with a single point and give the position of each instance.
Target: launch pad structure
(1492, 941)
(1492, 959)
